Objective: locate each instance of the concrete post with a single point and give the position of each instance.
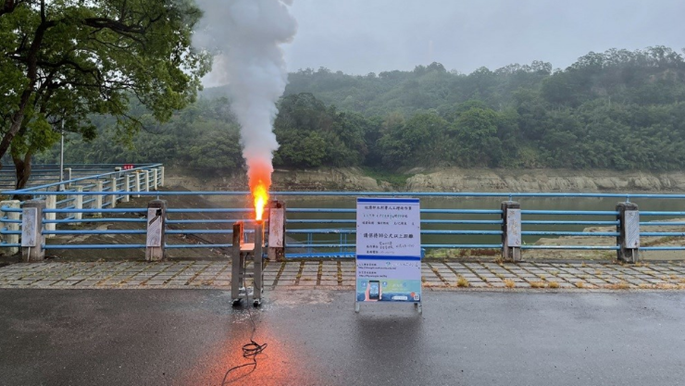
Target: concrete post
(628, 239)
(154, 179)
(113, 197)
(276, 245)
(161, 177)
(511, 231)
(97, 203)
(78, 202)
(156, 219)
(136, 188)
(127, 187)
(50, 203)
(10, 239)
(146, 184)
(32, 238)
(67, 177)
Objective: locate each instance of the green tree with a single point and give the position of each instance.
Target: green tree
(68, 59)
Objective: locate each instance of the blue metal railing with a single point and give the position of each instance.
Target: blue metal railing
(449, 220)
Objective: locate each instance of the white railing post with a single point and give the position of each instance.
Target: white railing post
(10, 226)
(113, 197)
(137, 187)
(67, 177)
(50, 203)
(127, 187)
(97, 203)
(147, 181)
(78, 202)
(161, 175)
(154, 179)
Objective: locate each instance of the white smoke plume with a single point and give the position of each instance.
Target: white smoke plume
(246, 36)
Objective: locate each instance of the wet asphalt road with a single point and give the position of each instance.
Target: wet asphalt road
(190, 337)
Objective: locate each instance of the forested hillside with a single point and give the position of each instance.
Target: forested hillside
(617, 110)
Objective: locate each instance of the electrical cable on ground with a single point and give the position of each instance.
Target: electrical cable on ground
(250, 351)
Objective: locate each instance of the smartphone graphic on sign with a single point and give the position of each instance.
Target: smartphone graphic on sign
(374, 289)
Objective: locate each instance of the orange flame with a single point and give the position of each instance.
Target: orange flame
(260, 181)
(260, 196)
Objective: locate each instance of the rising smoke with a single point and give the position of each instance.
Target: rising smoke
(246, 38)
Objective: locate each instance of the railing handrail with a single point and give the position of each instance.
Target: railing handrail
(335, 231)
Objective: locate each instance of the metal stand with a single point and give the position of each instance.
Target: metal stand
(242, 254)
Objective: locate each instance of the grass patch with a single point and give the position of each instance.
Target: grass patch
(462, 282)
(580, 284)
(537, 284)
(509, 283)
(645, 286)
(618, 286)
(667, 286)
(553, 284)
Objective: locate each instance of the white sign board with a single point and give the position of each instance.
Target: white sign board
(388, 250)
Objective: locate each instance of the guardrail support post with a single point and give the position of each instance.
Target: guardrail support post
(78, 202)
(50, 203)
(161, 175)
(156, 219)
(67, 177)
(154, 178)
(97, 203)
(628, 239)
(276, 249)
(113, 197)
(10, 239)
(32, 238)
(146, 184)
(511, 231)
(127, 187)
(137, 186)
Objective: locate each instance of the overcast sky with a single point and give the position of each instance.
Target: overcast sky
(362, 36)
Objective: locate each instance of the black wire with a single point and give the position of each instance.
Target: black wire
(250, 351)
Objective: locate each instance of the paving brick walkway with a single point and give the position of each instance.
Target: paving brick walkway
(341, 275)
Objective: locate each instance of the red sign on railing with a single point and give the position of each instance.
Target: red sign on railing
(128, 166)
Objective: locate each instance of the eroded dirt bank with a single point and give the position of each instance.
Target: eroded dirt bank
(447, 180)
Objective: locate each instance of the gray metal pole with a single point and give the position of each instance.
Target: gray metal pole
(61, 158)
